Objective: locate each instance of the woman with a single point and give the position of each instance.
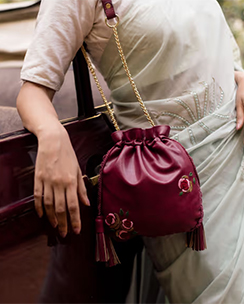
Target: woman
(181, 56)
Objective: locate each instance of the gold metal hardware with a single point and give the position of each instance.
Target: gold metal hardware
(93, 180)
(127, 71)
(93, 72)
(112, 25)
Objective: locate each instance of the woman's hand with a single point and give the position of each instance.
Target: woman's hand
(239, 78)
(58, 179)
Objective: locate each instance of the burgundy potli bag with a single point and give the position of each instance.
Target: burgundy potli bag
(148, 182)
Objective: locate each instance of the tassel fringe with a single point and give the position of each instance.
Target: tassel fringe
(102, 254)
(113, 258)
(105, 251)
(196, 239)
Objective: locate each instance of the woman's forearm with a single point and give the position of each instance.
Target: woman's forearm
(36, 110)
(58, 178)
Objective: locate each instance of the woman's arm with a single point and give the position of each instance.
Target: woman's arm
(239, 78)
(60, 31)
(58, 177)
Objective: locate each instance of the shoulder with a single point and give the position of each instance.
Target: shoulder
(61, 8)
(64, 4)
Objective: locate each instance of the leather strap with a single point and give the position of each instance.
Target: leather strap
(83, 86)
(108, 9)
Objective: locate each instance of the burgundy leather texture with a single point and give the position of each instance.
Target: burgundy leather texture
(108, 9)
(149, 185)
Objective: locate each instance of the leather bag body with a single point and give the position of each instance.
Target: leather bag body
(149, 183)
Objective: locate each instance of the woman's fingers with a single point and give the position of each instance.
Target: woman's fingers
(82, 190)
(59, 198)
(239, 112)
(60, 210)
(38, 190)
(49, 205)
(239, 78)
(58, 179)
(73, 208)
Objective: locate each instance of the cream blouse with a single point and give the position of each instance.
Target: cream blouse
(61, 28)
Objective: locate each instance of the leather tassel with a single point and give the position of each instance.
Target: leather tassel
(105, 251)
(113, 258)
(196, 239)
(102, 254)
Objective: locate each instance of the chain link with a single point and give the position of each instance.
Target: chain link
(126, 68)
(93, 72)
(127, 71)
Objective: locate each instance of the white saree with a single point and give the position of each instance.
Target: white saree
(180, 53)
(182, 61)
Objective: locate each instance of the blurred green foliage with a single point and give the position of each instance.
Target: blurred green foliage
(234, 12)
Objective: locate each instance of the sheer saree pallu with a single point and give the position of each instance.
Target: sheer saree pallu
(187, 81)
(214, 275)
(148, 183)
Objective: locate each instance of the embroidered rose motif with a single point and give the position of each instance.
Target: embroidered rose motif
(113, 220)
(120, 226)
(110, 219)
(185, 184)
(123, 235)
(127, 224)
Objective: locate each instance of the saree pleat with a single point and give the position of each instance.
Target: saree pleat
(187, 81)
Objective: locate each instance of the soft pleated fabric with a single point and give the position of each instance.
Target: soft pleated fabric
(176, 51)
(215, 275)
(187, 81)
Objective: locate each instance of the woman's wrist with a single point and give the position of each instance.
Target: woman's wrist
(50, 130)
(239, 76)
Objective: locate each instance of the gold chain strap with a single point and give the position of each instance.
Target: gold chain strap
(127, 71)
(126, 68)
(90, 66)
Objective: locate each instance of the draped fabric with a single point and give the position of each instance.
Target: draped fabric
(180, 54)
(177, 53)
